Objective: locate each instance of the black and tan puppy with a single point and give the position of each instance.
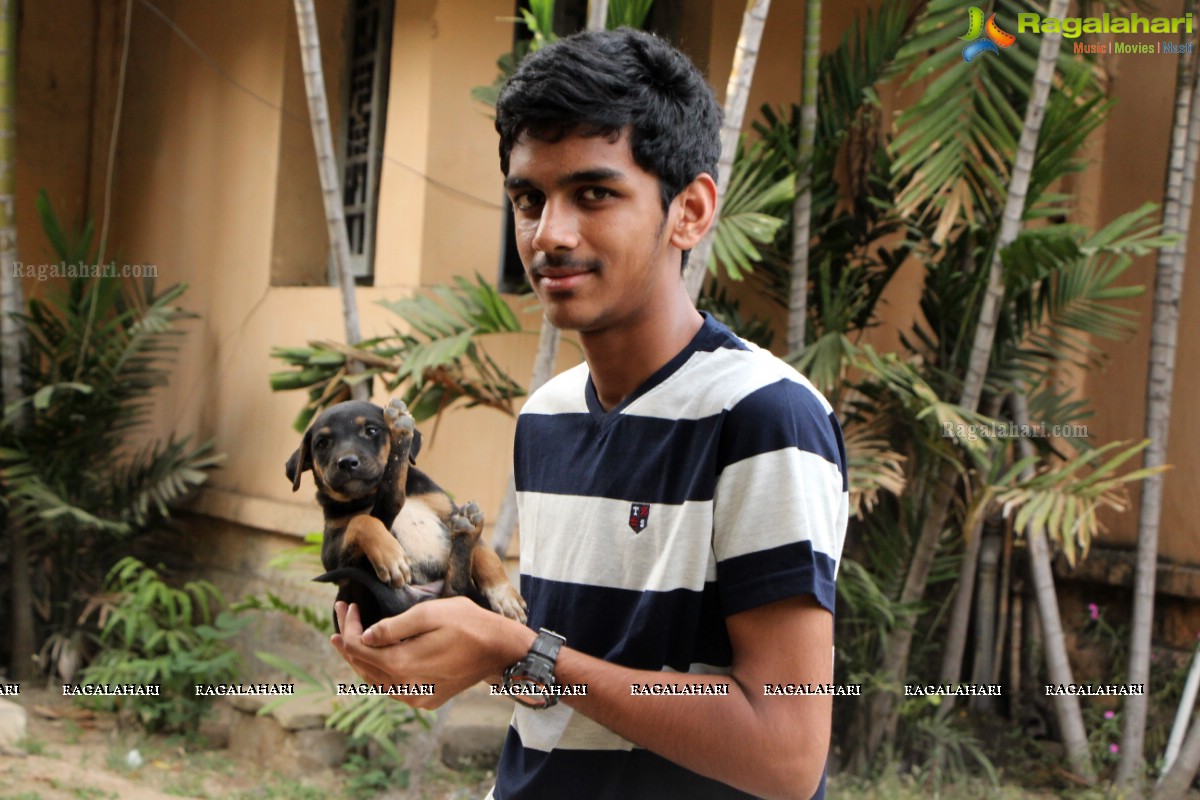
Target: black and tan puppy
(392, 536)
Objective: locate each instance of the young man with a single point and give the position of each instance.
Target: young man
(682, 494)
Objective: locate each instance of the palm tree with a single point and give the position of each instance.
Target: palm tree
(802, 212)
(331, 193)
(1168, 288)
(96, 349)
(737, 94)
(898, 644)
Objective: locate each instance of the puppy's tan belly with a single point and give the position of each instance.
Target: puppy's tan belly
(425, 538)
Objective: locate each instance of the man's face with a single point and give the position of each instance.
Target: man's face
(591, 231)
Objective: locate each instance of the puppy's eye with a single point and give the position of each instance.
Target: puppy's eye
(321, 443)
(371, 430)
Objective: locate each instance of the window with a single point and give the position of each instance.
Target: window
(364, 112)
(356, 37)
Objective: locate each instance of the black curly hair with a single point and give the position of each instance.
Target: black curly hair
(601, 83)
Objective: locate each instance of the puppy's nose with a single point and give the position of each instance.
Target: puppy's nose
(348, 463)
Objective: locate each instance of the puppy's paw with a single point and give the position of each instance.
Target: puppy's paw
(389, 560)
(399, 421)
(467, 521)
(506, 601)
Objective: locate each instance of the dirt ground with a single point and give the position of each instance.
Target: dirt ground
(75, 754)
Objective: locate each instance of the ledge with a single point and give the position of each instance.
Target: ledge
(290, 519)
(1113, 567)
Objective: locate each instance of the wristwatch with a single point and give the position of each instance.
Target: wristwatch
(531, 680)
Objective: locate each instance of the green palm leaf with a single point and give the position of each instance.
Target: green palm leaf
(753, 210)
(441, 358)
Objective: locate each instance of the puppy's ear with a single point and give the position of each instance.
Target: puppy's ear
(416, 447)
(300, 461)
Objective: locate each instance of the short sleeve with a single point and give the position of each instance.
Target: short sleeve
(780, 505)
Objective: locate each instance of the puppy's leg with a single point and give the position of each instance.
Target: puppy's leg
(367, 535)
(466, 524)
(391, 496)
(488, 571)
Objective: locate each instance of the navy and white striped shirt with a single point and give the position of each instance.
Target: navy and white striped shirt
(717, 487)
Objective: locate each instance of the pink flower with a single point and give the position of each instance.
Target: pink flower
(1114, 748)
(1109, 714)
(1094, 611)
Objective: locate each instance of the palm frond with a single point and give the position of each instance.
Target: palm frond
(756, 203)
(442, 358)
(159, 476)
(953, 148)
(873, 466)
(1064, 504)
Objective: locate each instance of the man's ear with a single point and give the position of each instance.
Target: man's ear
(693, 211)
(300, 461)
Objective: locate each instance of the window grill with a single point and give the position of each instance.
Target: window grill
(363, 120)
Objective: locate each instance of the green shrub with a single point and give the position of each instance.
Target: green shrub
(155, 634)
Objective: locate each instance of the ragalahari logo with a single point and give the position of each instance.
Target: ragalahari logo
(996, 38)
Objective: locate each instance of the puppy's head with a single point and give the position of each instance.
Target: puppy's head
(347, 449)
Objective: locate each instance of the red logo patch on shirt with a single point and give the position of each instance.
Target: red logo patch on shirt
(639, 515)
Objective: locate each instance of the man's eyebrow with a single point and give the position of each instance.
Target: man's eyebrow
(597, 175)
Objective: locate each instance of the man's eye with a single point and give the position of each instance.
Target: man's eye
(527, 201)
(594, 193)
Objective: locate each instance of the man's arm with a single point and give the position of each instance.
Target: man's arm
(774, 747)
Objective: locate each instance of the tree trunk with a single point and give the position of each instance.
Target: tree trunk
(802, 209)
(327, 169)
(985, 617)
(737, 94)
(597, 15)
(960, 616)
(1164, 331)
(881, 713)
(1066, 706)
(21, 644)
(1174, 785)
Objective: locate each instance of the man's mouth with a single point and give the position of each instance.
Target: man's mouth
(556, 275)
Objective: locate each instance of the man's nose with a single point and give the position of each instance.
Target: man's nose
(558, 228)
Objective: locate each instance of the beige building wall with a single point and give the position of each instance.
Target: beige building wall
(1133, 166)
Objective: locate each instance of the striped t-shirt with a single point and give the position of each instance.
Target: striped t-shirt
(717, 487)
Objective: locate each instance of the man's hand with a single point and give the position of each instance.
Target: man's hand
(451, 643)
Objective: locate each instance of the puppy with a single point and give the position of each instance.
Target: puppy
(393, 537)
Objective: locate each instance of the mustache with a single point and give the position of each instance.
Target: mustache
(544, 261)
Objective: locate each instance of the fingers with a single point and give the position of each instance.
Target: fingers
(341, 610)
(349, 642)
(414, 622)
